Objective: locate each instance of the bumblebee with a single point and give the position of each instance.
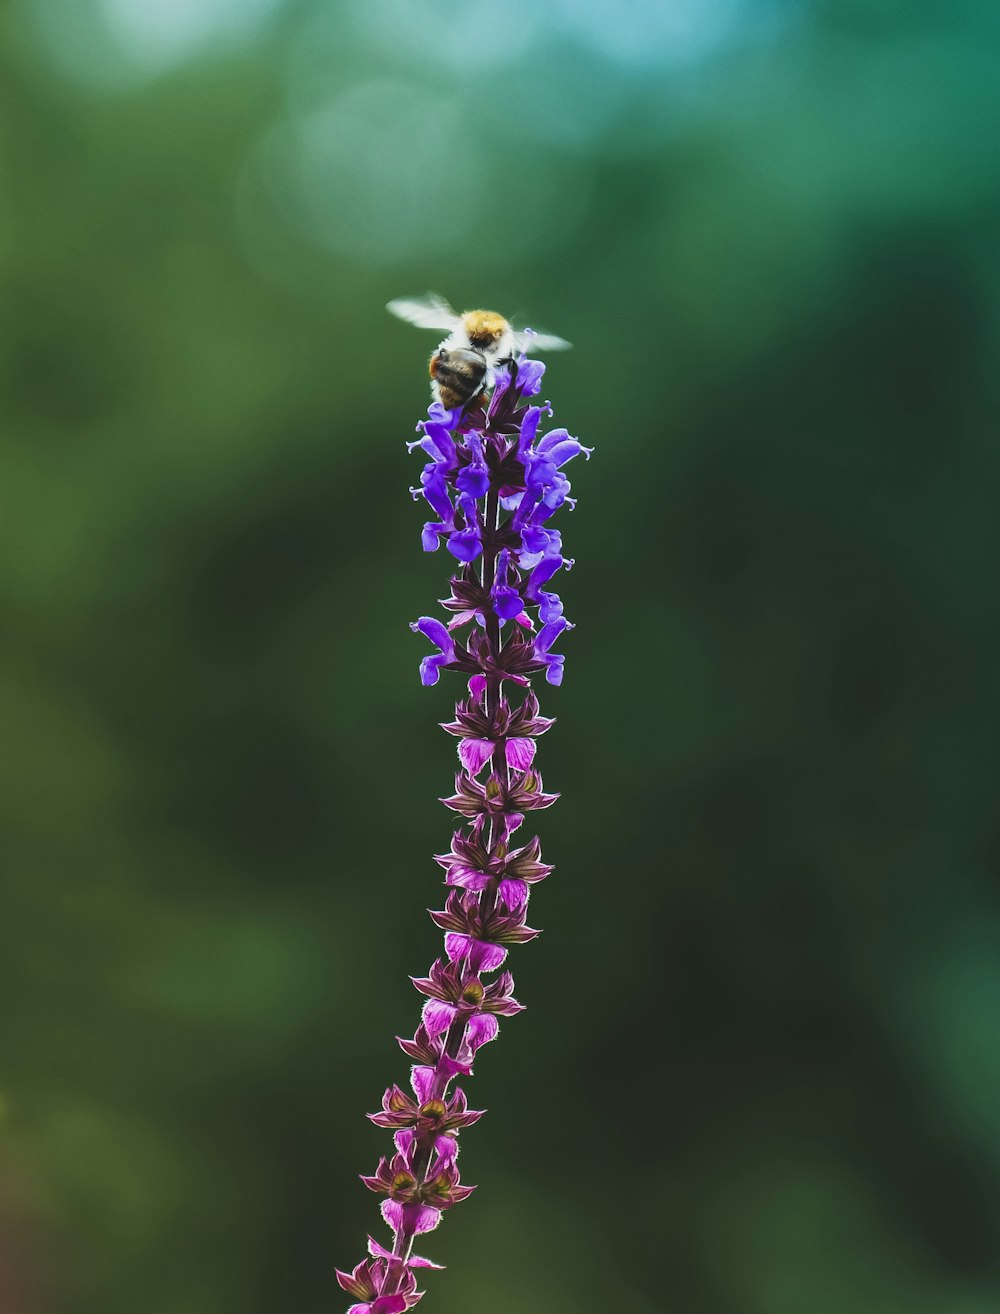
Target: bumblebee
(478, 341)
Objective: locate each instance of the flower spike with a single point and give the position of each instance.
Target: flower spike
(493, 479)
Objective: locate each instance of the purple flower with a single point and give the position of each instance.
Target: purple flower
(430, 667)
(506, 600)
(494, 485)
(437, 440)
(466, 544)
(474, 478)
(529, 376)
(547, 635)
(550, 608)
(558, 447)
(528, 431)
(540, 575)
(440, 443)
(434, 486)
(537, 544)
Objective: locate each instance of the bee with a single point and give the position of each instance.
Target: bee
(464, 364)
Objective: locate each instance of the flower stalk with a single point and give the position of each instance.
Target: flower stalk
(493, 484)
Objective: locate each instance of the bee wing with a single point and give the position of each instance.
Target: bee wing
(429, 312)
(525, 340)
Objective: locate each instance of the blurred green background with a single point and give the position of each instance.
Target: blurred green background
(760, 1070)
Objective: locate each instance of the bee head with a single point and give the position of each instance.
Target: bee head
(485, 328)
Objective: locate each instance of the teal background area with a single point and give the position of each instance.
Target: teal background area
(760, 1071)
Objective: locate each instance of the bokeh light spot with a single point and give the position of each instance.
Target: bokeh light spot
(467, 35)
(649, 32)
(160, 32)
(112, 45)
(385, 170)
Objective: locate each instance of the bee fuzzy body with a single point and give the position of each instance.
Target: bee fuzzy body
(457, 375)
